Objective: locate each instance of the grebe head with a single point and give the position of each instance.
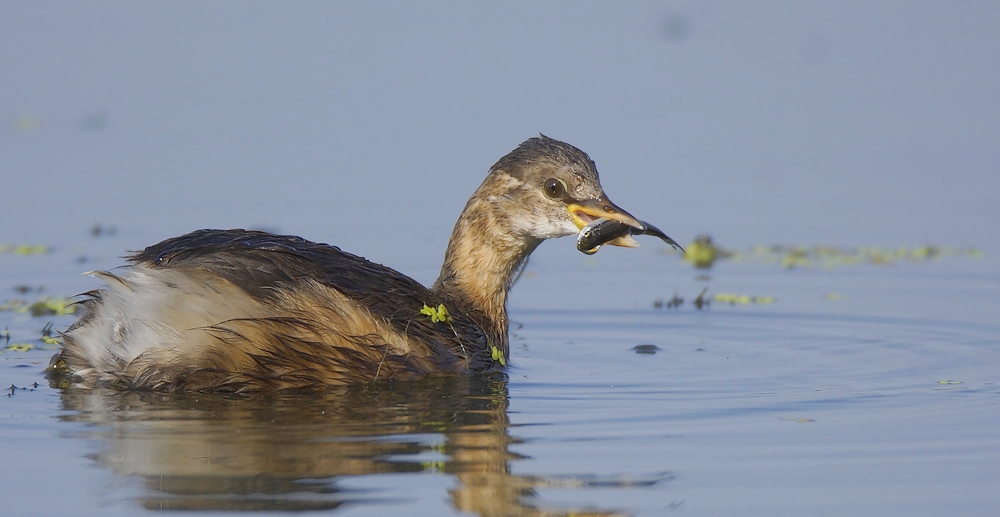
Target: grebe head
(548, 189)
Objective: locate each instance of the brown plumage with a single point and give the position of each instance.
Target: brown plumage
(243, 310)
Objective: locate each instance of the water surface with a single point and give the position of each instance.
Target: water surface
(868, 389)
(807, 405)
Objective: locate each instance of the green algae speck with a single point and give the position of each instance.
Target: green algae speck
(498, 355)
(438, 314)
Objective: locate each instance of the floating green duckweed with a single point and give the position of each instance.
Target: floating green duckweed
(439, 314)
(52, 307)
(47, 336)
(742, 299)
(42, 307)
(433, 467)
(25, 249)
(703, 253)
(14, 306)
(20, 347)
(829, 256)
(498, 355)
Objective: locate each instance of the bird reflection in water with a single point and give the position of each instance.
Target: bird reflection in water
(290, 451)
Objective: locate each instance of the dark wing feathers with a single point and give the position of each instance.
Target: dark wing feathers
(261, 263)
(256, 261)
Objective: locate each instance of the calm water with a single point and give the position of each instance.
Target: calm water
(861, 390)
(804, 406)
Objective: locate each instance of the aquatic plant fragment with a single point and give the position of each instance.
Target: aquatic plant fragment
(437, 314)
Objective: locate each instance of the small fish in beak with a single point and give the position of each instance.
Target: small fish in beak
(609, 231)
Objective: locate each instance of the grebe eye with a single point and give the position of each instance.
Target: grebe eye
(554, 188)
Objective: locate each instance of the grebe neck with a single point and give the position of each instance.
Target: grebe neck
(483, 258)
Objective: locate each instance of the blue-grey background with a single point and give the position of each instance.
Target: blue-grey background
(368, 124)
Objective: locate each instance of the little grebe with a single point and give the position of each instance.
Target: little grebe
(239, 310)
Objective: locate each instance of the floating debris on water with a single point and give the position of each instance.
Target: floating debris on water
(646, 349)
(673, 303)
(42, 307)
(701, 301)
(47, 336)
(704, 252)
(742, 299)
(25, 249)
(829, 256)
(14, 306)
(52, 307)
(13, 389)
(99, 230)
(949, 381)
(798, 420)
